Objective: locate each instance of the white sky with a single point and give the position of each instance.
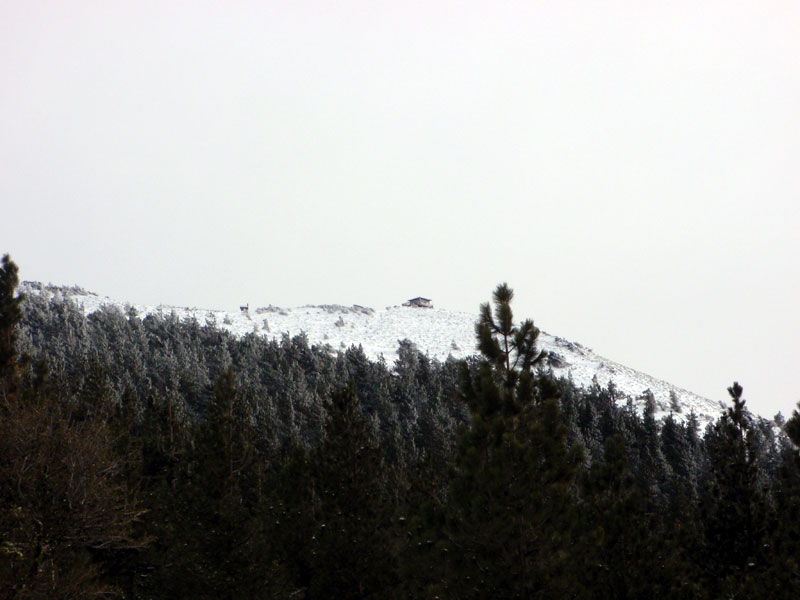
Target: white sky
(630, 168)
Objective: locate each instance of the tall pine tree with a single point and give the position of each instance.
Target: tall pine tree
(510, 512)
(734, 505)
(10, 316)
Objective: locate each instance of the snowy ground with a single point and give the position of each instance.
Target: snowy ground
(438, 333)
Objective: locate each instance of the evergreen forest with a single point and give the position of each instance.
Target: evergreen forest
(158, 458)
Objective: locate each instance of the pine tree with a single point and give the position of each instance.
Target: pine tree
(612, 523)
(792, 427)
(734, 504)
(509, 349)
(681, 455)
(351, 558)
(10, 316)
(782, 578)
(510, 510)
(654, 471)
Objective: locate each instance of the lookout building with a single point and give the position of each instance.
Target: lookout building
(419, 302)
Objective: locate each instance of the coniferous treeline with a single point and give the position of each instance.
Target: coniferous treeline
(158, 458)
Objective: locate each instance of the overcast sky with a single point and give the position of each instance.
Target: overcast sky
(632, 169)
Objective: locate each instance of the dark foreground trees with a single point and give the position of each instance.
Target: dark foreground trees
(64, 501)
(64, 498)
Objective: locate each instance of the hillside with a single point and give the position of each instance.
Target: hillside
(437, 332)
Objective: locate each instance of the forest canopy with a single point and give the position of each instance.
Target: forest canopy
(161, 458)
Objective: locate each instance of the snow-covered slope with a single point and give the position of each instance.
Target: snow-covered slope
(437, 332)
